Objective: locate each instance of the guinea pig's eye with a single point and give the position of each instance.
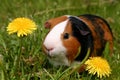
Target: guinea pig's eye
(66, 36)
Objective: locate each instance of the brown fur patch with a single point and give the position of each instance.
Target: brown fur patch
(52, 22)
(99, 42)
(107, 34)
(71, 43)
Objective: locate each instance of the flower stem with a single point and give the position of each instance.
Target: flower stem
(76, 67)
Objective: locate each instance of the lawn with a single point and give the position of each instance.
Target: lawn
(23, 58)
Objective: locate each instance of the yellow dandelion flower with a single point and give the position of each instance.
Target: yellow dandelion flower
(21, 26)
(98, 66)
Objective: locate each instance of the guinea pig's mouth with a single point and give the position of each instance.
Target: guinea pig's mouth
(53, 54)
(50, 56)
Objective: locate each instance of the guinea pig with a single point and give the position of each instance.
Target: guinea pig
(70, 37)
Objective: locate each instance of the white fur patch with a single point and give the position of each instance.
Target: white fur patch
(53, 41)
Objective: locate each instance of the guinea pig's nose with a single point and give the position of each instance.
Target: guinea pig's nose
(50, 49)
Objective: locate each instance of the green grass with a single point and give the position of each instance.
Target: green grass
(23, 57)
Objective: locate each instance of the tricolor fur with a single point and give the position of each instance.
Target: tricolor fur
(70, 37)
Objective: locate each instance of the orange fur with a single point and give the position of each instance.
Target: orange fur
(71, 44)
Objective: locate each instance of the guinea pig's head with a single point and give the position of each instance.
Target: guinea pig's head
(62, 44)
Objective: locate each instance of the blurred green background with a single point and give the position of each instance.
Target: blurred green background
(32, 64)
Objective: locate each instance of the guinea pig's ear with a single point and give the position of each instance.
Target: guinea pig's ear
(47, 25)
(79, 25)
(84, 33)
